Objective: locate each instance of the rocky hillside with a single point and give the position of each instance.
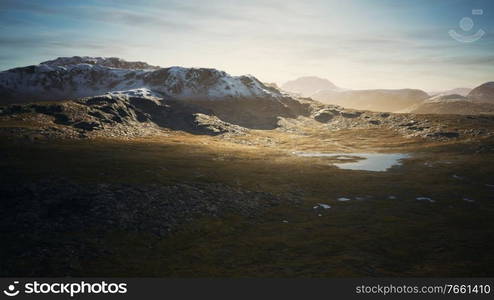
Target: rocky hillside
(375, 100)
(109, 115)
(479, 101)
(483, 93)
(122, 115)
(453, 107)
(170, 96)
(76, 77)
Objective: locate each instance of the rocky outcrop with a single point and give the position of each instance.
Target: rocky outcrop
(117, 115)
(433, 127)
(105, 111)
(256, 113)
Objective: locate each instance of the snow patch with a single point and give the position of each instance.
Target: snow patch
(322, 205)
(142, 92)
(425, 199)
(343, 199)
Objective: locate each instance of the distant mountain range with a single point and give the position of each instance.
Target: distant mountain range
(454, 101)
(480, 100)
(308, 86)
(325, 91)
(256, 104)
(375, 100)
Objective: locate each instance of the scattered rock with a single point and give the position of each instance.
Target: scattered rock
(63, 206)
(322, 205)
(426, 199)
(443, 134)
(88, 126)
(323, 117)
(354, 114)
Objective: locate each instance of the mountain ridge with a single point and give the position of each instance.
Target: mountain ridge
(77, 77)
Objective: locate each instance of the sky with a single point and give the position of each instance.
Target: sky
(356, 44)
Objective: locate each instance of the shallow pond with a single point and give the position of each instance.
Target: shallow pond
(378, 162)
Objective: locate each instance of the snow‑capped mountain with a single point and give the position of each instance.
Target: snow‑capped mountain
(112, 62)
(76, 77)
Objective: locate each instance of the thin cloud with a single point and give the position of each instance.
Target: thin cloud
(358, 43)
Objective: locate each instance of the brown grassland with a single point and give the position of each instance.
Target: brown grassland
(372, 236)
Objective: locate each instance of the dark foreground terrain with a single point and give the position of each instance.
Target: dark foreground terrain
(243, 205)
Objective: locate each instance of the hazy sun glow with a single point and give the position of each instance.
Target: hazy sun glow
(355, 44)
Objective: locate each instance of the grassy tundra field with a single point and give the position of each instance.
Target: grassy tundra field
(430, 216)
